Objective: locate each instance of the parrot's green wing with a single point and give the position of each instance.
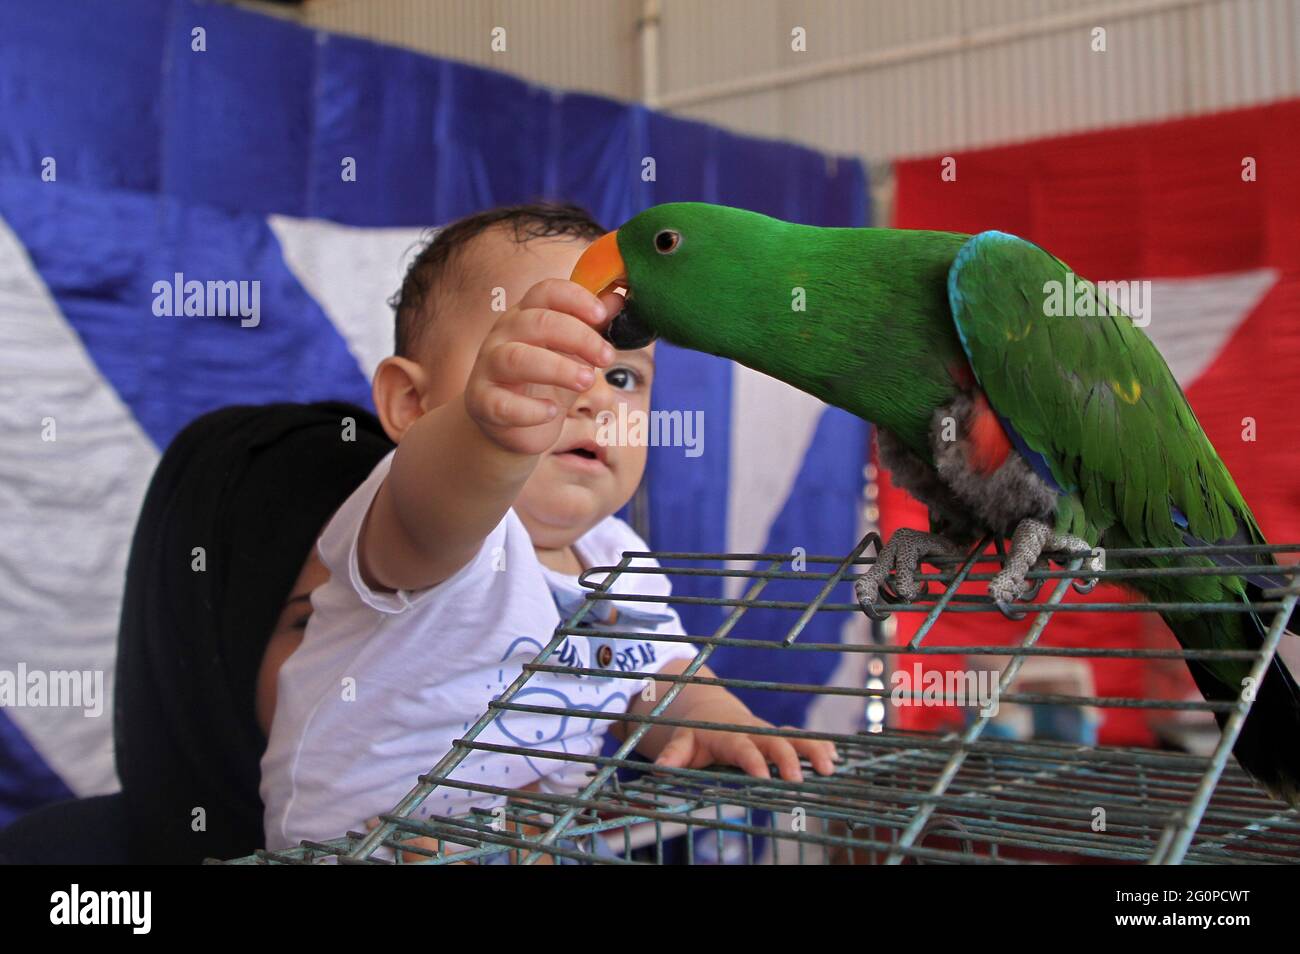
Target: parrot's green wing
(1092, 406)
(1088, 399)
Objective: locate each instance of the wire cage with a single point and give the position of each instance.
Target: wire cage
(969, 795)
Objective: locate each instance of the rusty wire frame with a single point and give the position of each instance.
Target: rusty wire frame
(896, 796)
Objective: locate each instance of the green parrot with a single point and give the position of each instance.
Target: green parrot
(1062, 432)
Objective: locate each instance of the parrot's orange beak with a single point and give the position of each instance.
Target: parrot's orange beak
(601, 268)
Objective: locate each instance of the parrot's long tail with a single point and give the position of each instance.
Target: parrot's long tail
(1268, 746)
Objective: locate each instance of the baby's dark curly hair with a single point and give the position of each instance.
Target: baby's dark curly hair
(439, 253)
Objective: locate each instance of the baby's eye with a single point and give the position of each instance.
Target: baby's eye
(625, 379)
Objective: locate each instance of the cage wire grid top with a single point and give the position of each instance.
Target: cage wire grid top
(895, 796)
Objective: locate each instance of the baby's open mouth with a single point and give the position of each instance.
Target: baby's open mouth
(586, 450)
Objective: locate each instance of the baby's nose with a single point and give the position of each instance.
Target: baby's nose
(601, 396)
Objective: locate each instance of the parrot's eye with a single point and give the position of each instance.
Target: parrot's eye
(666, 242)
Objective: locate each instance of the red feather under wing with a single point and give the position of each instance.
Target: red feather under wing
(987, 444)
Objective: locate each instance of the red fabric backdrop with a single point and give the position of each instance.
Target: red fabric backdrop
(1166, 200)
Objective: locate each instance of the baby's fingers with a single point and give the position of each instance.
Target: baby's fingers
(500, 407)
(740, 751)
(556, 294)
(518, 363)
(820, 752)
(680, 750)
(561, 332)
(782, 754)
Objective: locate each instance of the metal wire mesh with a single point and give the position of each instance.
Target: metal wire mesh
(896, 796)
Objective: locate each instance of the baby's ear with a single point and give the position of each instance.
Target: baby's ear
(397, 388)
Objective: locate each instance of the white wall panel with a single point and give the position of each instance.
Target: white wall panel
(894, 77)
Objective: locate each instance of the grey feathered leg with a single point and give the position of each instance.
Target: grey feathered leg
(903, 555)
(1030, 539)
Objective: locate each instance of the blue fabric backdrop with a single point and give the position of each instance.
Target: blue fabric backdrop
(170, 160)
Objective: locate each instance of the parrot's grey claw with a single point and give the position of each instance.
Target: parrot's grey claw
(870, 609)
(1006, 588)
(1031, 539)
(902, 557)
(871, 594)
(1030, 593)
(891, 595)
(1096, 562)
(1005, 609)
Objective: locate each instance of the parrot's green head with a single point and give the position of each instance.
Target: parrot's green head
(857, 317)
(705, 277)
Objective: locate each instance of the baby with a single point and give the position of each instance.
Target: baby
(451, 565)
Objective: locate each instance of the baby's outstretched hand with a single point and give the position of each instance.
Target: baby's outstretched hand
(699, 748)
(535, 362)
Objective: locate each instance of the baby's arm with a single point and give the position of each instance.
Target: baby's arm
(681, 747)
(459, 467)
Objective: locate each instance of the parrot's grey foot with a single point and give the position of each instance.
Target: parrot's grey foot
(903, 555)
(1032, 587)
(1030, 539)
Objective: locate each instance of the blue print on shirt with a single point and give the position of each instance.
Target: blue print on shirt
(523, 728)
(534, 730)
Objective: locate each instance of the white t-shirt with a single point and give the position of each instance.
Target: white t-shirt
(384, 682)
